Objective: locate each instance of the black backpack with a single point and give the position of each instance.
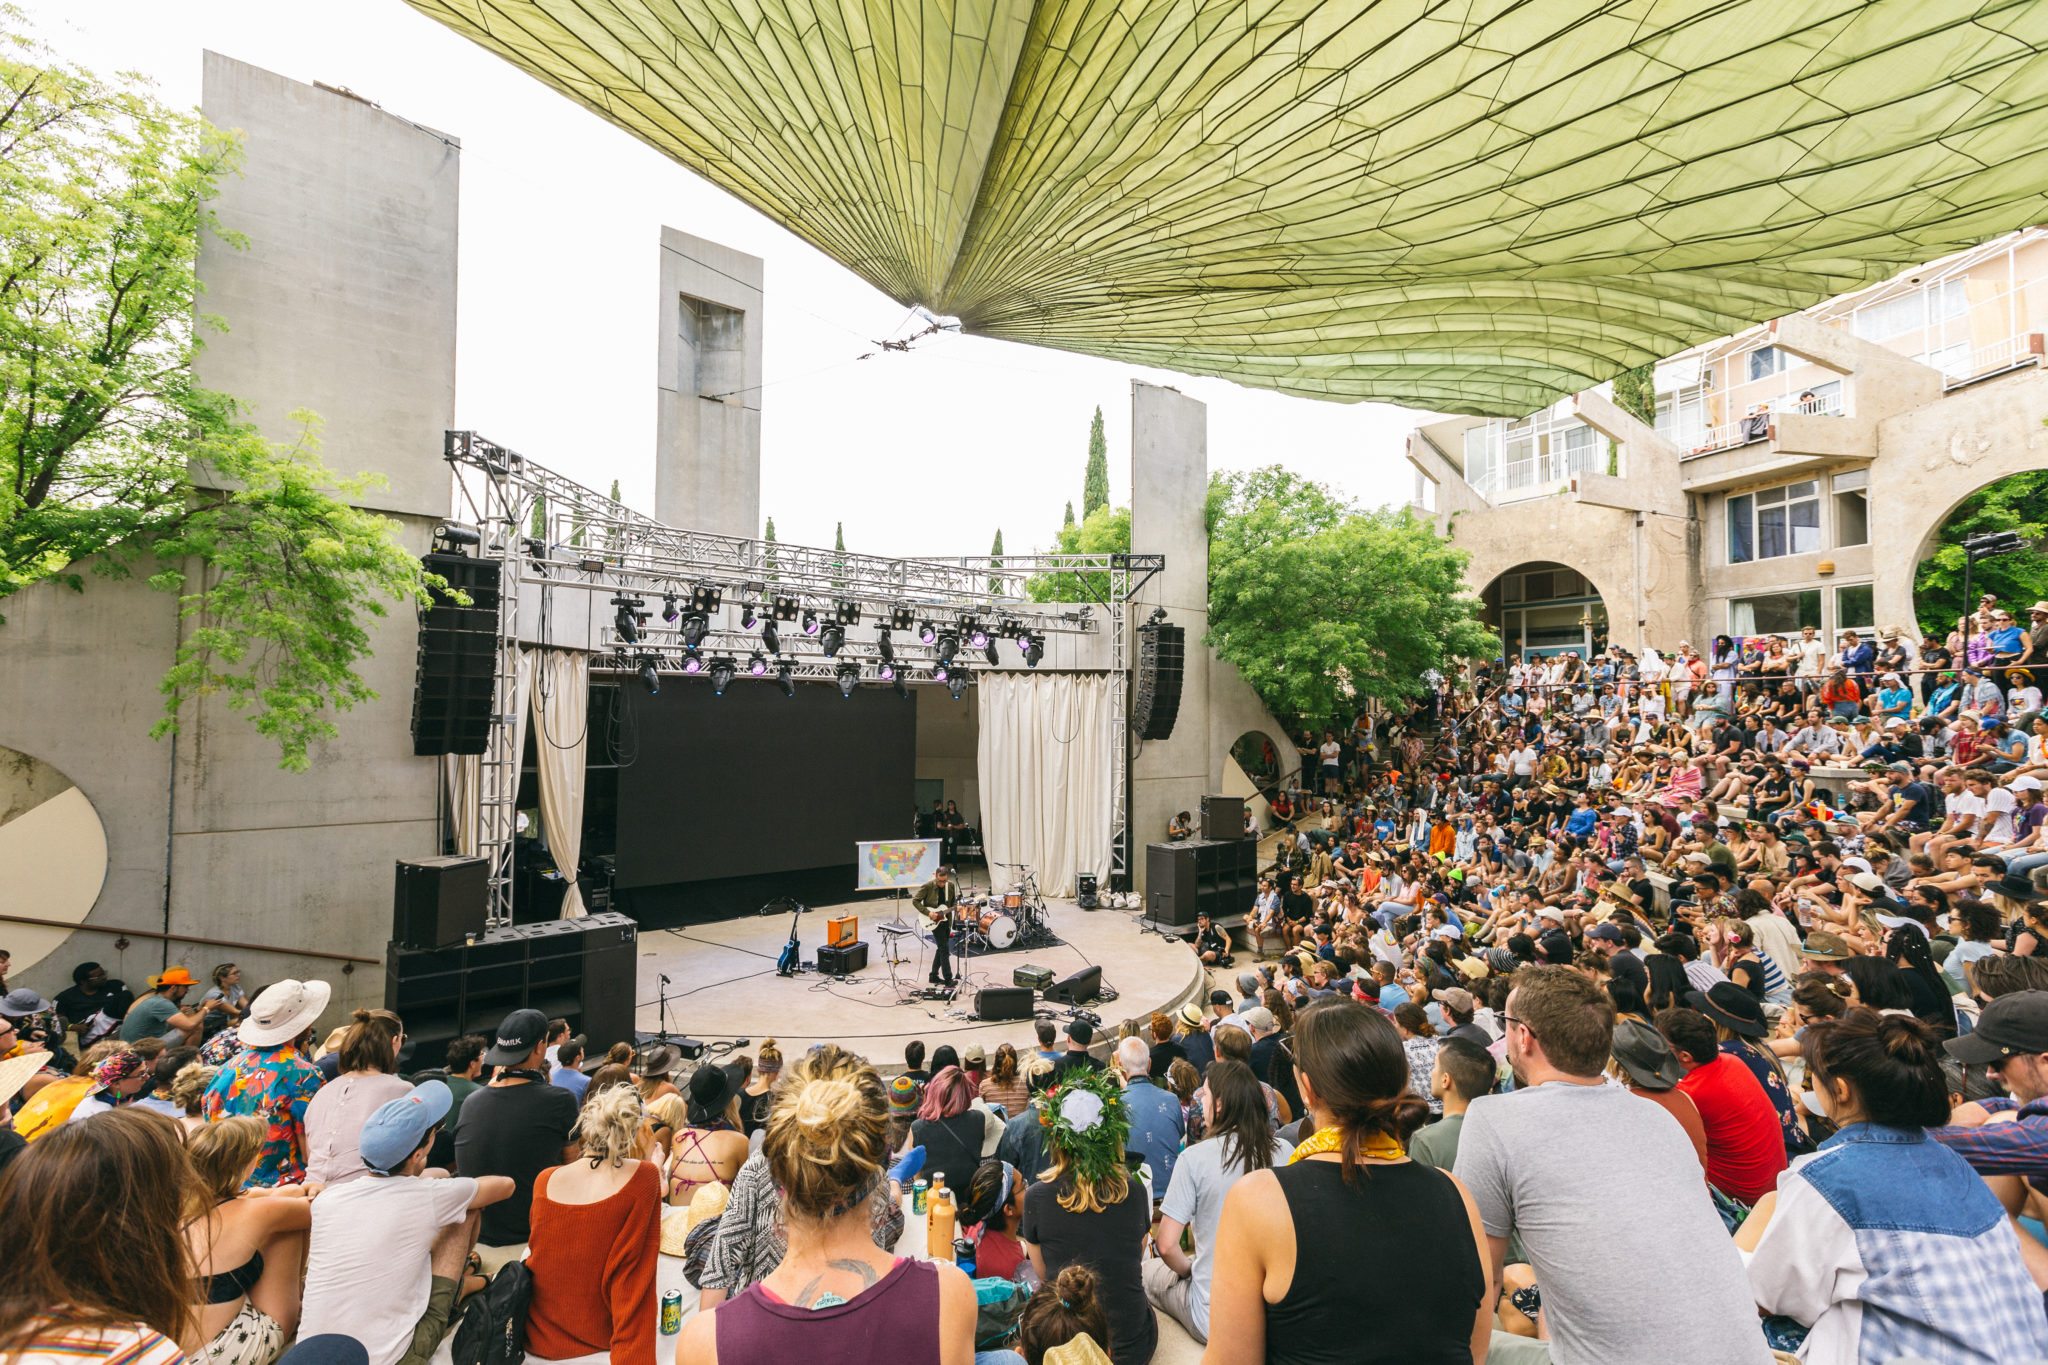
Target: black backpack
(493, 1328)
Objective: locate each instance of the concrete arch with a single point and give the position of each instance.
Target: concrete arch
(1538, 558)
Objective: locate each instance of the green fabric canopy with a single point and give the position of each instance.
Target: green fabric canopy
(1471, 206)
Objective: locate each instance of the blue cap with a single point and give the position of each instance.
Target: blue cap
(395, 1131)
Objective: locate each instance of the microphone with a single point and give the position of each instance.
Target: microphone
(664, 979)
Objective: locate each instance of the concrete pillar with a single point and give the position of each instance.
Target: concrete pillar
(1169, 488)
(707, 462)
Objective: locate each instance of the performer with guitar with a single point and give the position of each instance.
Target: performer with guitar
(939, 900)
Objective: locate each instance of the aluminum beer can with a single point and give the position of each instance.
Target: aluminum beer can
(920, 1195)
(671, 1312)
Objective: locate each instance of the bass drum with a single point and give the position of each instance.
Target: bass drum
(1000, 930)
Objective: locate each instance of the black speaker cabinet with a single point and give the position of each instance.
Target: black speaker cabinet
(1183, 880)
(1085, 892)
(843, 959)
(1077, 989)
(1002, 1002)
(440, 902)
(1162, 654)
(1223, 817)
(458, 658)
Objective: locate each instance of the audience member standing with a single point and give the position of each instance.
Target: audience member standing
(1606, 1215)
(517, 1126)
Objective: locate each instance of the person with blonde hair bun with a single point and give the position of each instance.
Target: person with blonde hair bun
(596, 1239)
(836, 1298)
(247, 1249)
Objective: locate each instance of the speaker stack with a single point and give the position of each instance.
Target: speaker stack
(1223, 817)
(440, 902)
(458, 658)
(1214, 876)
(1162, 657)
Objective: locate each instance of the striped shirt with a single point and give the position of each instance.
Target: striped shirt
(54, 1341)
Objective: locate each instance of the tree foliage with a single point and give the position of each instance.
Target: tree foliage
(1095, 482)
(2019, 503)
(1070, 514)
(103, 196)
(1106, 530)
(995, 551)
(1320, 604)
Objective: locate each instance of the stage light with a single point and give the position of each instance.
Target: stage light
(831, 638)
(940, 672)
(849, 611)
(785, 679)
(885, 646)
(902, 690)
(722, 670)
(693, 663)
(757, 664)
(971, 631)
(885, 671)
(694, 626)
(749, 618)
(810, 622)
(1034, 651)
(707, 597)
(1010, 629)
(993, 653)
(669, 611)
(902, 617)
(956, 685)
(927, 632)
(785, 608)
(948, 646)
(627, 620)
(1017, 631)
(771, 637)
(849, 678)
(650, 679)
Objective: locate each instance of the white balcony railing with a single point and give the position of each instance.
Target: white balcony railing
(2000, 355)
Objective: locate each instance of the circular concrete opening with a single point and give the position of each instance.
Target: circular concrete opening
(53, 856)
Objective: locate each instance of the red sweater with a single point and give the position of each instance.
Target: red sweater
(1745, 1146)
(593, 1272)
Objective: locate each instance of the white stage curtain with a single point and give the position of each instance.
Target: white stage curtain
(1048, 743)
(561, 708)
(463, 774)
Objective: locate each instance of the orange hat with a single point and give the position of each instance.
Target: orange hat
(176, 976)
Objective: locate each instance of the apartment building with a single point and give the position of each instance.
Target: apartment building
(1794, 474)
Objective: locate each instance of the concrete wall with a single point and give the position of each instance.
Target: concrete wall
(707, 463)
(342, 303)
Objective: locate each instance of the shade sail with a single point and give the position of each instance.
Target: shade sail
(1475, 207)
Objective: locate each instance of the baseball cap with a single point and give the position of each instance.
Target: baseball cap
(974, 1053)
(518, 1036)
(1823, 946)
(1856, 864)
(2010, 1025)
(2026, 784)
(1456, 998)
(1867, 881)
(396, 1130)
(1220, 998)
(1606, 932)
(1261, 1018)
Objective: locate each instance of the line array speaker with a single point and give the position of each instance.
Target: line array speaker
(458, 658)
(1162, 657)
(1220, 877)
(1223, 817)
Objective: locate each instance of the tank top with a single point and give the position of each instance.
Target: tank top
(894, 1323)
(1419, 1305)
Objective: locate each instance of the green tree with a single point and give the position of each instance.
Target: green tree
(1107, 530)
(104, 194)
(1095, 483)
(1070, 513)
(1320, 604)
(540, 517)
(2019, 503)
(768, 554)
(839, 550)
(995, 551)
(615, 494)
(1635, 393)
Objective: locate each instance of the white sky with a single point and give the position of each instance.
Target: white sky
(924, 453)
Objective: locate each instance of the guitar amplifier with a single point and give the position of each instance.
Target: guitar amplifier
(842, 959)
(1032, 978)
(842, 931)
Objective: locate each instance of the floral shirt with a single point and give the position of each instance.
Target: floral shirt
(275, 1084)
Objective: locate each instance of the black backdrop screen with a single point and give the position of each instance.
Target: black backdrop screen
(755, 782)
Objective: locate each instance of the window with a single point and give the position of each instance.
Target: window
(1853, 608)
(1912, 311)
(1766, 361)
(1776, 613)
(712, 356)
(1774, 523)
(1852, 508)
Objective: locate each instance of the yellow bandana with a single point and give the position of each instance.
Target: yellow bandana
(1379, 1146)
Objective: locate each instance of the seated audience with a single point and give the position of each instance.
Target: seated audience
(367, 1081)
(248, 1248)
(595, 1238)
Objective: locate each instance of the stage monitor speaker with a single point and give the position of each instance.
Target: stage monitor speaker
(1077, 989)
(1002, 1002)
(841, 931)
(1162, 654)
(842, 959)
(1223, 817)
(440, 902)
(1085, 892)
(458, 658)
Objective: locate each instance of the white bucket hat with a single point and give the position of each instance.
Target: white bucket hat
(285, 1010)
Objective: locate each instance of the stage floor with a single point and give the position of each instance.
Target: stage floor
(723, 987)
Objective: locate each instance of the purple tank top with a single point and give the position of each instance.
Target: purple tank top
(894, 1323)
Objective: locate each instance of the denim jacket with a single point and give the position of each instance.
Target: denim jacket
(1887, 1244)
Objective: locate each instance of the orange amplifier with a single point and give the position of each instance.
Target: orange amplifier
(844, 930)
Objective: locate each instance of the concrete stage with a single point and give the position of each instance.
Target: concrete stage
(723, 987)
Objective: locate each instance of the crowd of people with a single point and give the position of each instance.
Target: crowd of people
(1581, 1021)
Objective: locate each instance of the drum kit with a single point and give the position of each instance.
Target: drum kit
(1014, 918)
